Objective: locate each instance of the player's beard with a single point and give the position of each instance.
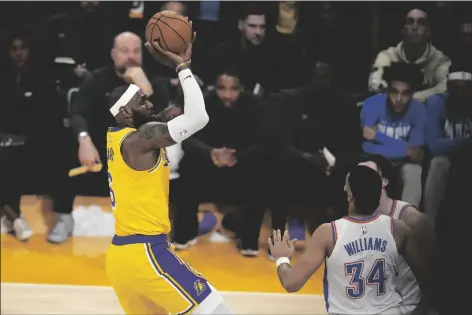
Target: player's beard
(140, 118)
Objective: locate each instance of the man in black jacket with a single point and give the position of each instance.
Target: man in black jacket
(307, 120)
(33, 140)
(223, 163)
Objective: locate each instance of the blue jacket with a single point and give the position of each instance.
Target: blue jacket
(442, 133)
(395, 133)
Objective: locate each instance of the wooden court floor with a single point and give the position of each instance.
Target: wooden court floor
(40, 278)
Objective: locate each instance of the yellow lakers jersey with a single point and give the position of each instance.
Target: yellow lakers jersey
(140, 199)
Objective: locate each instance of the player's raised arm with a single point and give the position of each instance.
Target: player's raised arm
(153, 135)
(293, 278)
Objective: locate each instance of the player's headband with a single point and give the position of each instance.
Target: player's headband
(124, 99)
(460, 75)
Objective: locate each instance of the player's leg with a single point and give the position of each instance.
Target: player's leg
(176, 287)
(120, 271)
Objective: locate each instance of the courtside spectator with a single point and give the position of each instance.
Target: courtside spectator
(33, 154)
(448, 129)
(393, 126)
(415, 48)
(223, 163)
(247, 52)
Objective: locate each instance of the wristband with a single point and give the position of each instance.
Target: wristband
(282, 260)
(182, 66)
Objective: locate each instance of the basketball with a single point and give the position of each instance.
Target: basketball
(171, 30)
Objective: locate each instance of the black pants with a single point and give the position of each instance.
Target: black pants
(241, 185)
(307, 190)
(28, 171)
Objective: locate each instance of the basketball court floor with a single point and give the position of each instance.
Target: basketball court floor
(40, 278)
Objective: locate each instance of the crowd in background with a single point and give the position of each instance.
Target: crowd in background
(281, 80)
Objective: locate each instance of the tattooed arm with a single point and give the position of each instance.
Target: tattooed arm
(169, 113)
(150, 136)
(154, 135)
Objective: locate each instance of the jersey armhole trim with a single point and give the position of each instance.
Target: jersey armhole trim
(392, 226)
(125, 136)
(393, 208)
(402, 210)
(334, 231)
(152, 169)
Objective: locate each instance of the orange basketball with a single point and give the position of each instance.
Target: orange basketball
(171, 30)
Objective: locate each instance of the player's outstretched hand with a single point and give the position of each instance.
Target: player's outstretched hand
(281, 246)
(169, 58)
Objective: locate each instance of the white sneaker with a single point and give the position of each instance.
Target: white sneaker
(249, 252)
(218, 237)
(62, 230)
(22, 230)
(186, 245)
(6, 225)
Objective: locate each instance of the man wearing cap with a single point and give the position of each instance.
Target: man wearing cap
(448, 129)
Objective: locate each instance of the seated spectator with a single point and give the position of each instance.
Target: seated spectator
(393, 126)
(223, 163)
(307, 120)
(32, 139)
(246, 52)
(414, 49)
(448, 129)
(90, 114)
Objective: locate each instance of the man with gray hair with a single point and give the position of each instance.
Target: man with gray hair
(416, 48)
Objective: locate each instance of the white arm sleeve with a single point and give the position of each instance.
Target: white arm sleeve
(195, 116)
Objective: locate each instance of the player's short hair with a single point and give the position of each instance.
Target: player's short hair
(386, 170)
(404, 72)
(384, 166)
(366, 188)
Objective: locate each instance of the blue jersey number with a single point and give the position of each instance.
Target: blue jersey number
(112, 193)
(376, 276)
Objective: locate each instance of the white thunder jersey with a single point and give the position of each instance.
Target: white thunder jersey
(360, 272)
(406, 281)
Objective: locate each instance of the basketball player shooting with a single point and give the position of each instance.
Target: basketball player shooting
(361, 253)
(146, 275)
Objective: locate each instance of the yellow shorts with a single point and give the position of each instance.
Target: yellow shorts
(149, 278)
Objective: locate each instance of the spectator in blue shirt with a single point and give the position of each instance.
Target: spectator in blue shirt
(448, 128)
(393, 126)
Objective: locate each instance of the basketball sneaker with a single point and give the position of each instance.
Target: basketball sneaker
(19, 228)
(63, 228)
